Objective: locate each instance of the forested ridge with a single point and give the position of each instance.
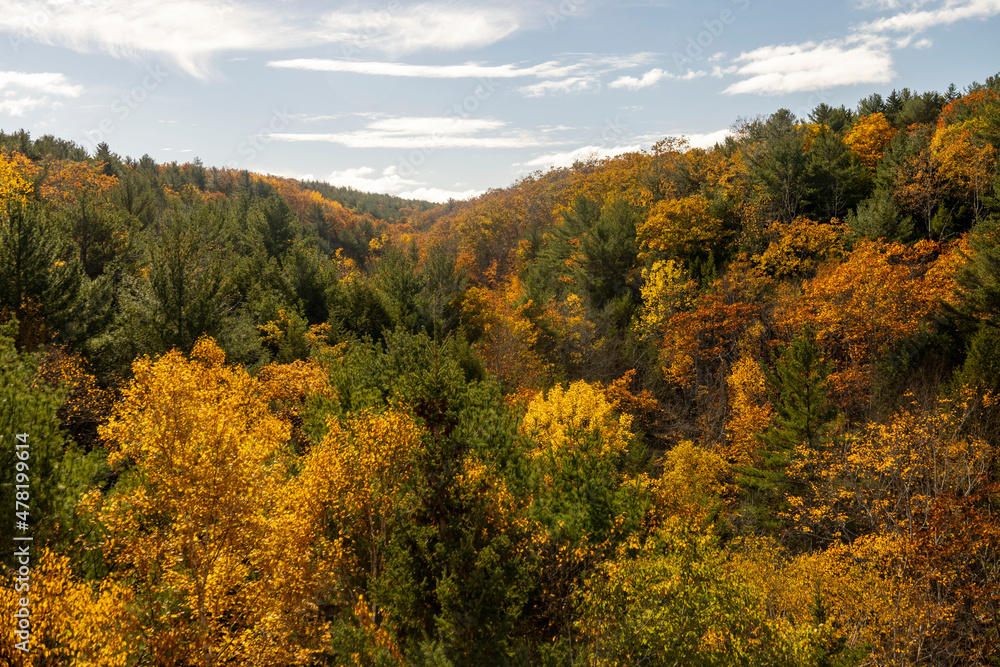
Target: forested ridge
(683, 406)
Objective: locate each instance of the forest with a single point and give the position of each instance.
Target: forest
(681, 406)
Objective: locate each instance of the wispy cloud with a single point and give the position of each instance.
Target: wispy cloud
(863, 56)
(650, 78)
(191, 32)
(812, 66)
(424, 132)
(389, 181)
(438, 195)
(361, 178)
(21, 92)
(466, 71)
(575, 74)
(567, 158)
(573, 84)
(919, 20)
(188, 32)
(653, 77)
(397, 30)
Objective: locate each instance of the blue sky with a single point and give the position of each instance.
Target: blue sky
(447, 99)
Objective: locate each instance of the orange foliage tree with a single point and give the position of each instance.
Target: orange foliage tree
(700, 340)
(869, 139)
(880, 294)
(967, 164)
(507, 335)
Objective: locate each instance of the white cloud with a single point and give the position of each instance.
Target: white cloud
(650, 78)
(191, 32)
(50, 83)
(188, 32)
(391, 182)
(573, 84)
(17, 106)
(399, 30)
(423, 132)
(360, 178)
(811, 66)
(466, 71)
(439, 195)
(567, 158)
(923, 44)
(579, 75)
(653, 77)
(885, 5)
(706, 139)
(21, 92)
(918, 20)
(369, 139)
(408, 125)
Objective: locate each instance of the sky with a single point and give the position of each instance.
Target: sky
(445, 99)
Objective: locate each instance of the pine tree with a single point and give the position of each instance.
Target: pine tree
(803, 417)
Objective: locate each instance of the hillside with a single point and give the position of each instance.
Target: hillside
(726, 406)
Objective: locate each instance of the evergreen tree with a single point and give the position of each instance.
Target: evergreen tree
(39, 274)
(803, 417)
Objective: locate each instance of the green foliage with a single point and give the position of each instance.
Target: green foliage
(454, 569)
(610, 250)
(39, 274)
(55, 476)
(378, 206)
(777, 159)
(836, 182)
(804, 417)
(879, 217)
(275, 223)
(979, 282)
(673, 603)
(981, 369)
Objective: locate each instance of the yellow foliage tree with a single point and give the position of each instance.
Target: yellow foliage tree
(562, 416)
(508, 336)
(798, 247)
(896, 471)
(205, 532)
(689, 487)
(679, 227)
(358, 476)
(966, 163)
(665, 290)
(71, 621)
(880, 294)
(868, 604)
(750, 410)
(869, 139)
(13, 186)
